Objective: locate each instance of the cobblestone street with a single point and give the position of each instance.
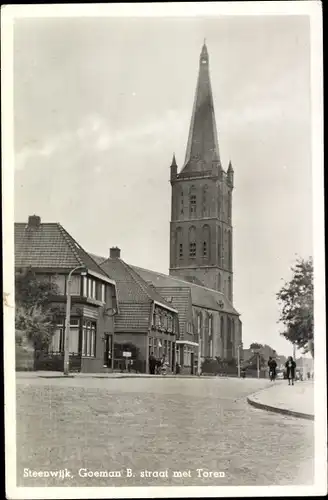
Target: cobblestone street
(166, 425)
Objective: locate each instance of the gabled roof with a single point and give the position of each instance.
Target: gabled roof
(135, 296)
(48, 246)
(200, 295)
(132, 288)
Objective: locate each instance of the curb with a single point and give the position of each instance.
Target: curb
(282, 411)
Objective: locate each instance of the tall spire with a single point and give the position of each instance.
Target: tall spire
(202, 148)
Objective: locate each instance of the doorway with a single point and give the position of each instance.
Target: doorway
(192, 361)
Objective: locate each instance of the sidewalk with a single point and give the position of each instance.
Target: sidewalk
(49, 374)
(297, 400)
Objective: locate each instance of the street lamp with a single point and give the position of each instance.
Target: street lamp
(68, 314)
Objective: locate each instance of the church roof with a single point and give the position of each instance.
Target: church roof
(202, 147)
(175, 290)
(200, 295)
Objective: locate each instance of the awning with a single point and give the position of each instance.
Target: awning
(187, 342)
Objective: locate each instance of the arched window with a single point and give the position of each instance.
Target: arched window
(219, 282)
(210, 335)
(229, 338)
(205, 201)
(219, 202)
(192, 242)
(219, 246)
(223, 337)
(180, 203)
(229, 206)
(179, 243)
(233, 339)
(192, 202)
(229, 288)
(206, 241)
(230, 249)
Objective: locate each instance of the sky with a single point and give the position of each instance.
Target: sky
(101, 104)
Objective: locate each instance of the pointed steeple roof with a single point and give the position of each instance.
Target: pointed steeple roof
(174, 162)
(230, 167)
(202, 147)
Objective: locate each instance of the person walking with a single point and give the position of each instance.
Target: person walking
(152, 364)
(272, 364)
(290, 367)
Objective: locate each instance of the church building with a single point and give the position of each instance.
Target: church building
(200, 281)
(201, 226)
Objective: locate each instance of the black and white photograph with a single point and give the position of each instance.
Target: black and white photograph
(163, 237)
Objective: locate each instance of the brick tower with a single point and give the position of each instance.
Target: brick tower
(201, 228)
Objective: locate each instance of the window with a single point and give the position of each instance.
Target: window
(60, 280)
(198, 324)
(85, 286)
(229, 206)
(205, 202)
(179, 243)
(74, 334)
(169, 323)
(89, 338)
(205, 249)
(192, 201)
(211, 348)
(57, 340)
(103, 292)
(89, 288)
(75, 285)
(192, 204)
(192, 250)
(229, 288)
(181, 203)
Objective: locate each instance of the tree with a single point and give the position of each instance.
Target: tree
(255, 345)
(35, 319)
(296, 300)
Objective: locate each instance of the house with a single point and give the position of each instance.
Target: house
(53, 254)
(146, 322)
(206, 318)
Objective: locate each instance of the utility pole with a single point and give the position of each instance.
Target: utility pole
(238, 360)
(258, 365)
(199, 353)
(67, 319)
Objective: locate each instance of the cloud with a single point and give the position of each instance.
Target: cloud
(96, 134)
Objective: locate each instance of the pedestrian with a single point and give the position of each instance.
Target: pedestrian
(290, 366)
(152, 364)
(272, 364)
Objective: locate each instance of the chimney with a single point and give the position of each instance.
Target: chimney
(115, 253)
(34, 221)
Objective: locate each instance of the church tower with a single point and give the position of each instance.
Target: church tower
(201, 227)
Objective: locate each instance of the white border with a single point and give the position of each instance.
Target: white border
(310, 8)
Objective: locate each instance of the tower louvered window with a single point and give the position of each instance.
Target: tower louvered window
(205, 249)
(192, 249)
(193, 204)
